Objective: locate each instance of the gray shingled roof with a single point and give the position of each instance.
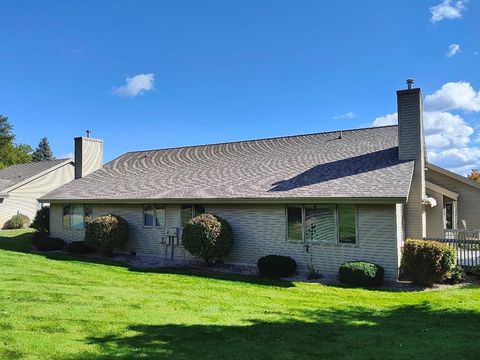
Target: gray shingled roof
(362, 164)
(15, 174)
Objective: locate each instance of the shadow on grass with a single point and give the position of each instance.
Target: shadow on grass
(22, 243)
(404, 332)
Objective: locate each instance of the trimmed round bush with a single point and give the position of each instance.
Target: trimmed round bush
(42, 242)
(361, 273)
(42, 220)
(209, 237)
(107, 233)
(427, 262)
(18, 221)
(274, 266)
(80, 248)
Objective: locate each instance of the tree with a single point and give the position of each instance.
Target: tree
(474, 175)
(11, 153)
(6, 135)
(43, 151)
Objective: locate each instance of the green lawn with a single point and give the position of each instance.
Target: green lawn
(53, 307)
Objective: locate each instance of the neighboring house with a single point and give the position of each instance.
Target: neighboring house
(320, 198)
(21, 185)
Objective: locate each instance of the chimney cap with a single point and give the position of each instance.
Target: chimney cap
(410, 83)
(89, 133)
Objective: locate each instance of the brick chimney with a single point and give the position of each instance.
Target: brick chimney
(411, 146)
(88, 155)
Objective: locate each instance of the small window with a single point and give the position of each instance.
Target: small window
(66, 216)
(154, 215)
(190, 211)
(448, 216)
(347, 233)
(160, 219)
(75, 216)
(148, 215)
(294, 221)
(320, 223)
(187, 212)
(198, 210)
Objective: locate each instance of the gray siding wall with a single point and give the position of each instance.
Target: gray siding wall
(411, 144)
(468, 202)
(24, 199)
(261, 230)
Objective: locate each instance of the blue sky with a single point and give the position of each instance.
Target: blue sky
(158, 74)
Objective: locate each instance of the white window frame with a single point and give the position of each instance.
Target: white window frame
(335, 241)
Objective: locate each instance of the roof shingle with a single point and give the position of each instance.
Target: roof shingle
(363, 163)
(15, 174)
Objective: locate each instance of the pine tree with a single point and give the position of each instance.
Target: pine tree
(6, 135)
(43, 151)
(11, 153)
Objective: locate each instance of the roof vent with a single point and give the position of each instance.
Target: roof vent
(89, 133)
(410, 83)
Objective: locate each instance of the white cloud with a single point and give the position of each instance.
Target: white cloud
(448, 9)
(453, 50)
(389, 119)
(454, 96)
(448, 135)
(348, 115)
(442, 129)
(136, 85)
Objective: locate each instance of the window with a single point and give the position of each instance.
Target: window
(154, 215)
(190, 211)
(326, 223)
(66, 216)
(294, 221)
(448, 215)
(347, 224)
(75, 216)
(320, 224)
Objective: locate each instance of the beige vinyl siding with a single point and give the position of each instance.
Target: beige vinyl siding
(400, 226)
(261, 230)
(24, 198)
(435, 216)
(468, 202)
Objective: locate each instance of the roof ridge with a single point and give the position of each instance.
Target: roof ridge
(255, 140)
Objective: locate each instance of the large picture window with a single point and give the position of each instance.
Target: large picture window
(154, 215)
(325, 223)
(75, 216)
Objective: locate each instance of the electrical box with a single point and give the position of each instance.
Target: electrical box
(171, 231)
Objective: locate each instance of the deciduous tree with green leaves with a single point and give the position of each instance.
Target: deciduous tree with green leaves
(43, 151)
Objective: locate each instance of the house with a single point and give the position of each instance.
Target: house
(321, 198)
(21, 185)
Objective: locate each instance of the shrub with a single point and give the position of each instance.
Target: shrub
(427, 262)
(456, 276)
(106, 233)
(475, 271)
(42, 220)
(80, 247)
(18, 221)
(274, 266)
(41, 241)
(361, 273)
(209, 237)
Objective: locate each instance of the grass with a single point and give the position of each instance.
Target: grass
(59, 307)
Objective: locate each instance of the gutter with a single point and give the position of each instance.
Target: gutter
(336, 200)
